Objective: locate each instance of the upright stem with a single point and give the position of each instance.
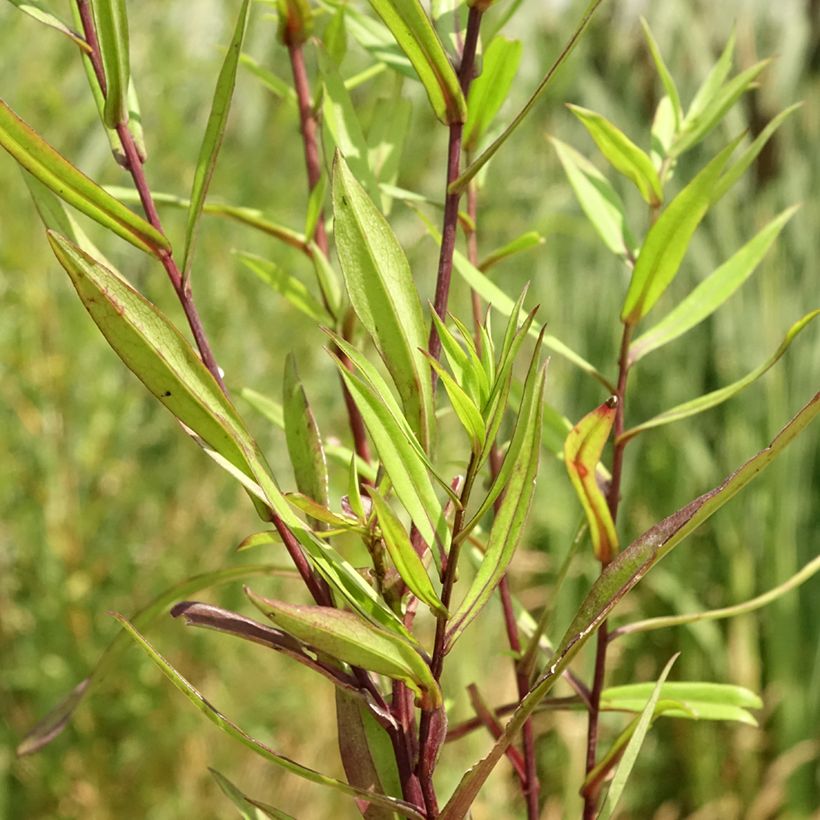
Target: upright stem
(613, 501)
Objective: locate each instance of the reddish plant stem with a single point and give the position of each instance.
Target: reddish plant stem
(613, 501)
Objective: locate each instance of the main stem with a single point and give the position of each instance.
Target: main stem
(613, 501)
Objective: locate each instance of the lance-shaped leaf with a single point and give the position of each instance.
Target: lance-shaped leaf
(509, 522)
(150, 346)
(214, 132)
(375, 38)
(303, 438)
(461, 183)
(404, 557)
(696, 127)
(714, 79)
(349, 638)
(52, 725)
(663, 72)
(666, 243)
(232, 730)
(716, 397)
(712, 292)
(272, 82)
(464, 362)
(111, 19)
(319, 513)
(616, 580)
(249, 809)
(636, 740)
(39, 12)
(413, 31)
(687, 700)
(71, 185)
(315, 207)
(383, 294)
(599, 200)
(386, 140)
(489, 90)
(582, 453)
(525, 242)
(624, 156)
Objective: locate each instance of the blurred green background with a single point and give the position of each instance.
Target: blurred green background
(103, 503)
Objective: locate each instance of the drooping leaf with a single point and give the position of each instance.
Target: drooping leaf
(52, 725)
(168, 366)
(624, 156)
(71, 185)
(384, 295)
(404, 557)
(39, 12)
(415, 35)
(712, 292)
(722, 394)
(633, 747)
(111, 19)
(616, 580)
(526, 241)
(247, 809)
(665, 245)
(489, 90)
(263, 750)
(349, 638)
(663, 72)
(599, 200)
(460, 184)
(582, 453)
(509, 522)
(214, 133)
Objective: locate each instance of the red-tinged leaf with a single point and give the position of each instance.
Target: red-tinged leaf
(582, 453)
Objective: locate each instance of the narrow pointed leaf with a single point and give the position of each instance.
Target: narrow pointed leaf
(112, 31)
(52, 725)
(525, 242)
(413, 31)
(39, 12)
(71, 185)
(624, 156)
(349, 638)
(257, 539)
(464, 407)
(508, 525)
(663, 72)
(320, 513)
(460, 184)
(168, 366)
(315, 207)
(248, 810)
(384, 295)
(232, 730)
(275, 84)
(386, 140)
(634, 746)
(616, 580)
(404, 557)
(716, 397)
(598, 199)
(377, 39)
(666, 243)
(582, 453)
(214, 133)
(466, 368)
(662, 136)
(710, 87)
(712, 292)
(489, 90)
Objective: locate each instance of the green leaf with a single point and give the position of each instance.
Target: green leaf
(413, 31)
(624, 156)
(615, 581)
(168, 366)
(716, 397)
(509, 522)
(598, 199)
(52, 725)
(350, 639)
(335, 36)
(465, 364)
(276, 85)
(403, 464)
(582, 453)
(404, 557)
(376, 39)
(662, 135)
(111, 18)
(307, 456)
(232, 730)
(247, 809)
(663, 72)
(315, 207)
(289, 286)
(257, 539)
(343, 522)
(383, 294)
(489, 90)
(465, 408)
(696, 127)
(634, 746)
(386, 140)
(710, 87)
(39, 12)
(71, 185)
(214, 133)
(526, 241)
(712, 292)
(460, 184)
(666, 243)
